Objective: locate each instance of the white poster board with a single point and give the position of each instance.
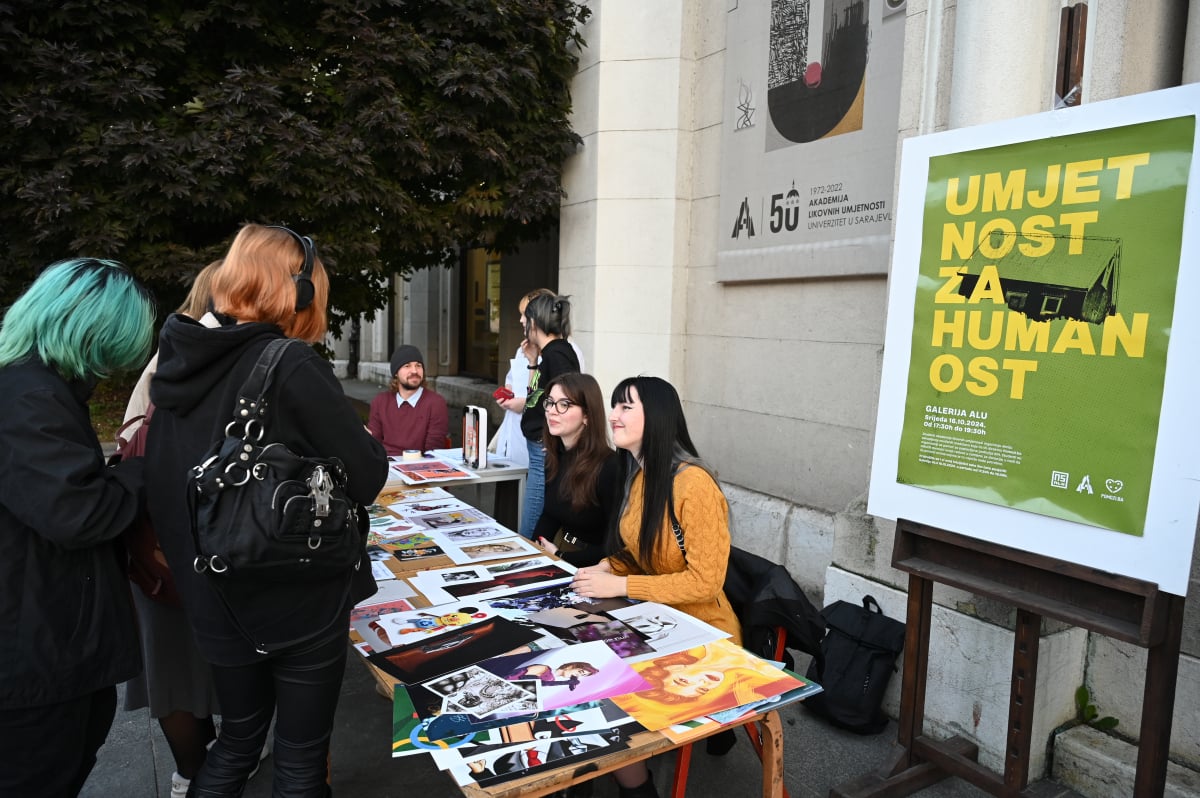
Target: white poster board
(1157, 547)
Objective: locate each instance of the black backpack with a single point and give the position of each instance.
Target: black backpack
(858, 657)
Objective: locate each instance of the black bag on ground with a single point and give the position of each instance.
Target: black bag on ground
(858, 658)
(260, 510)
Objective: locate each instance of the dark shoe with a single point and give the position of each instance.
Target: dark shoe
(644, 790)
(720, 743)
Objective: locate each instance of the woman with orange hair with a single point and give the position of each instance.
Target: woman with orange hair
(271, 285)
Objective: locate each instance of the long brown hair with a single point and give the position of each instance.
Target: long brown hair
(591, 450)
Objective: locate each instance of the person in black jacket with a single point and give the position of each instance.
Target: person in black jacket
(547, 324)
(583, 483)
(67, 632)
(271, 285)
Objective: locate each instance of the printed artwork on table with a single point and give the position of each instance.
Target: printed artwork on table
(394, 498)
(476, 691)
(493, 550)
(464, 646)
(665, 629)
(466, 535)
(388, 630)
(699, 681)
(570, 675)
(452, 519)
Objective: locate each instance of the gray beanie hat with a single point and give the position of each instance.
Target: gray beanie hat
(405, 354)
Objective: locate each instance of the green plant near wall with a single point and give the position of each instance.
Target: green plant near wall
(1088, 715)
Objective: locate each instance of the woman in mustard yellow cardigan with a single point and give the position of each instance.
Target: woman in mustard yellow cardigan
(675, 557)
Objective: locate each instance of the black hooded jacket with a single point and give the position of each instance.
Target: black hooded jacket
(200, 371)
(66, 619)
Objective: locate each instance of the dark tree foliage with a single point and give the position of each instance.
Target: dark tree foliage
(392, 131)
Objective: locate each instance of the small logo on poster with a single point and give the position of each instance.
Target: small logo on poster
(1113, 486)
(1085, 485)
(1060, 479)
(744, 221)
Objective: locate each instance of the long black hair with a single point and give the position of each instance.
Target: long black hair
(665, 443)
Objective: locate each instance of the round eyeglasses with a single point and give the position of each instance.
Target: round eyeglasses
(560, 406)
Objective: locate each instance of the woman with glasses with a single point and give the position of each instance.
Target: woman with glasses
(673, 528)
(582, 479)
(547, 321)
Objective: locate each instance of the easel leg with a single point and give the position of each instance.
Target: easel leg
(1026, 640)
(916, 667)
(1162, 670)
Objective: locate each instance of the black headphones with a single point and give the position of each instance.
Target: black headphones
(305, 292)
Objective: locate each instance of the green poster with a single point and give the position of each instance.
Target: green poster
(1041, 321)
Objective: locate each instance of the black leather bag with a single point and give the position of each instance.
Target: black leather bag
(260, 510)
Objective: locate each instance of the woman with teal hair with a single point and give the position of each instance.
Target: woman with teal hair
(67, 633)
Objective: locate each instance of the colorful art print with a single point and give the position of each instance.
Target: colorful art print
(545, 598)
(568, 675)
(408, 729)
(453, 519)
(420, 553)
(391, 629)
(802, 692)
(415, 473)
(510, 581)
(475, 533)
(395, 498)
(370, 612)
(494, 550)
(413, 541)
(699, 681)
(453, 651)
(623, 640)
(476, 691)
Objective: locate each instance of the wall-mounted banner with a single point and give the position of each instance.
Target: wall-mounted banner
(812, 98)
(1038, 368)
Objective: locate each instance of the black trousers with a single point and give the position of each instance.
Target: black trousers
(50, 750)
(301, 688)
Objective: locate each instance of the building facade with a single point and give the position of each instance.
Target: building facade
(780, 372)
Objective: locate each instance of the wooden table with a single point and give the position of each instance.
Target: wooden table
(640, 747)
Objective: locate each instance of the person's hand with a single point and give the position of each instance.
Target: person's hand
(547, 546)
(514, 405)
(594, 583)
(530, 351)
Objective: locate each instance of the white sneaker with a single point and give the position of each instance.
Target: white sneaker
(179, 786)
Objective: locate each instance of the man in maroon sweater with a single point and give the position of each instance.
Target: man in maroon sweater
(408, 415)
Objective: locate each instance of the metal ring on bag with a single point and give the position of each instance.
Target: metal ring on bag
(199, 565)
(318, 544)
(234, 482)
(214, 561)
(253, 428)
(259, 471)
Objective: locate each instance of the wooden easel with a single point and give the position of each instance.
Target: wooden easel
(1120, 607)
